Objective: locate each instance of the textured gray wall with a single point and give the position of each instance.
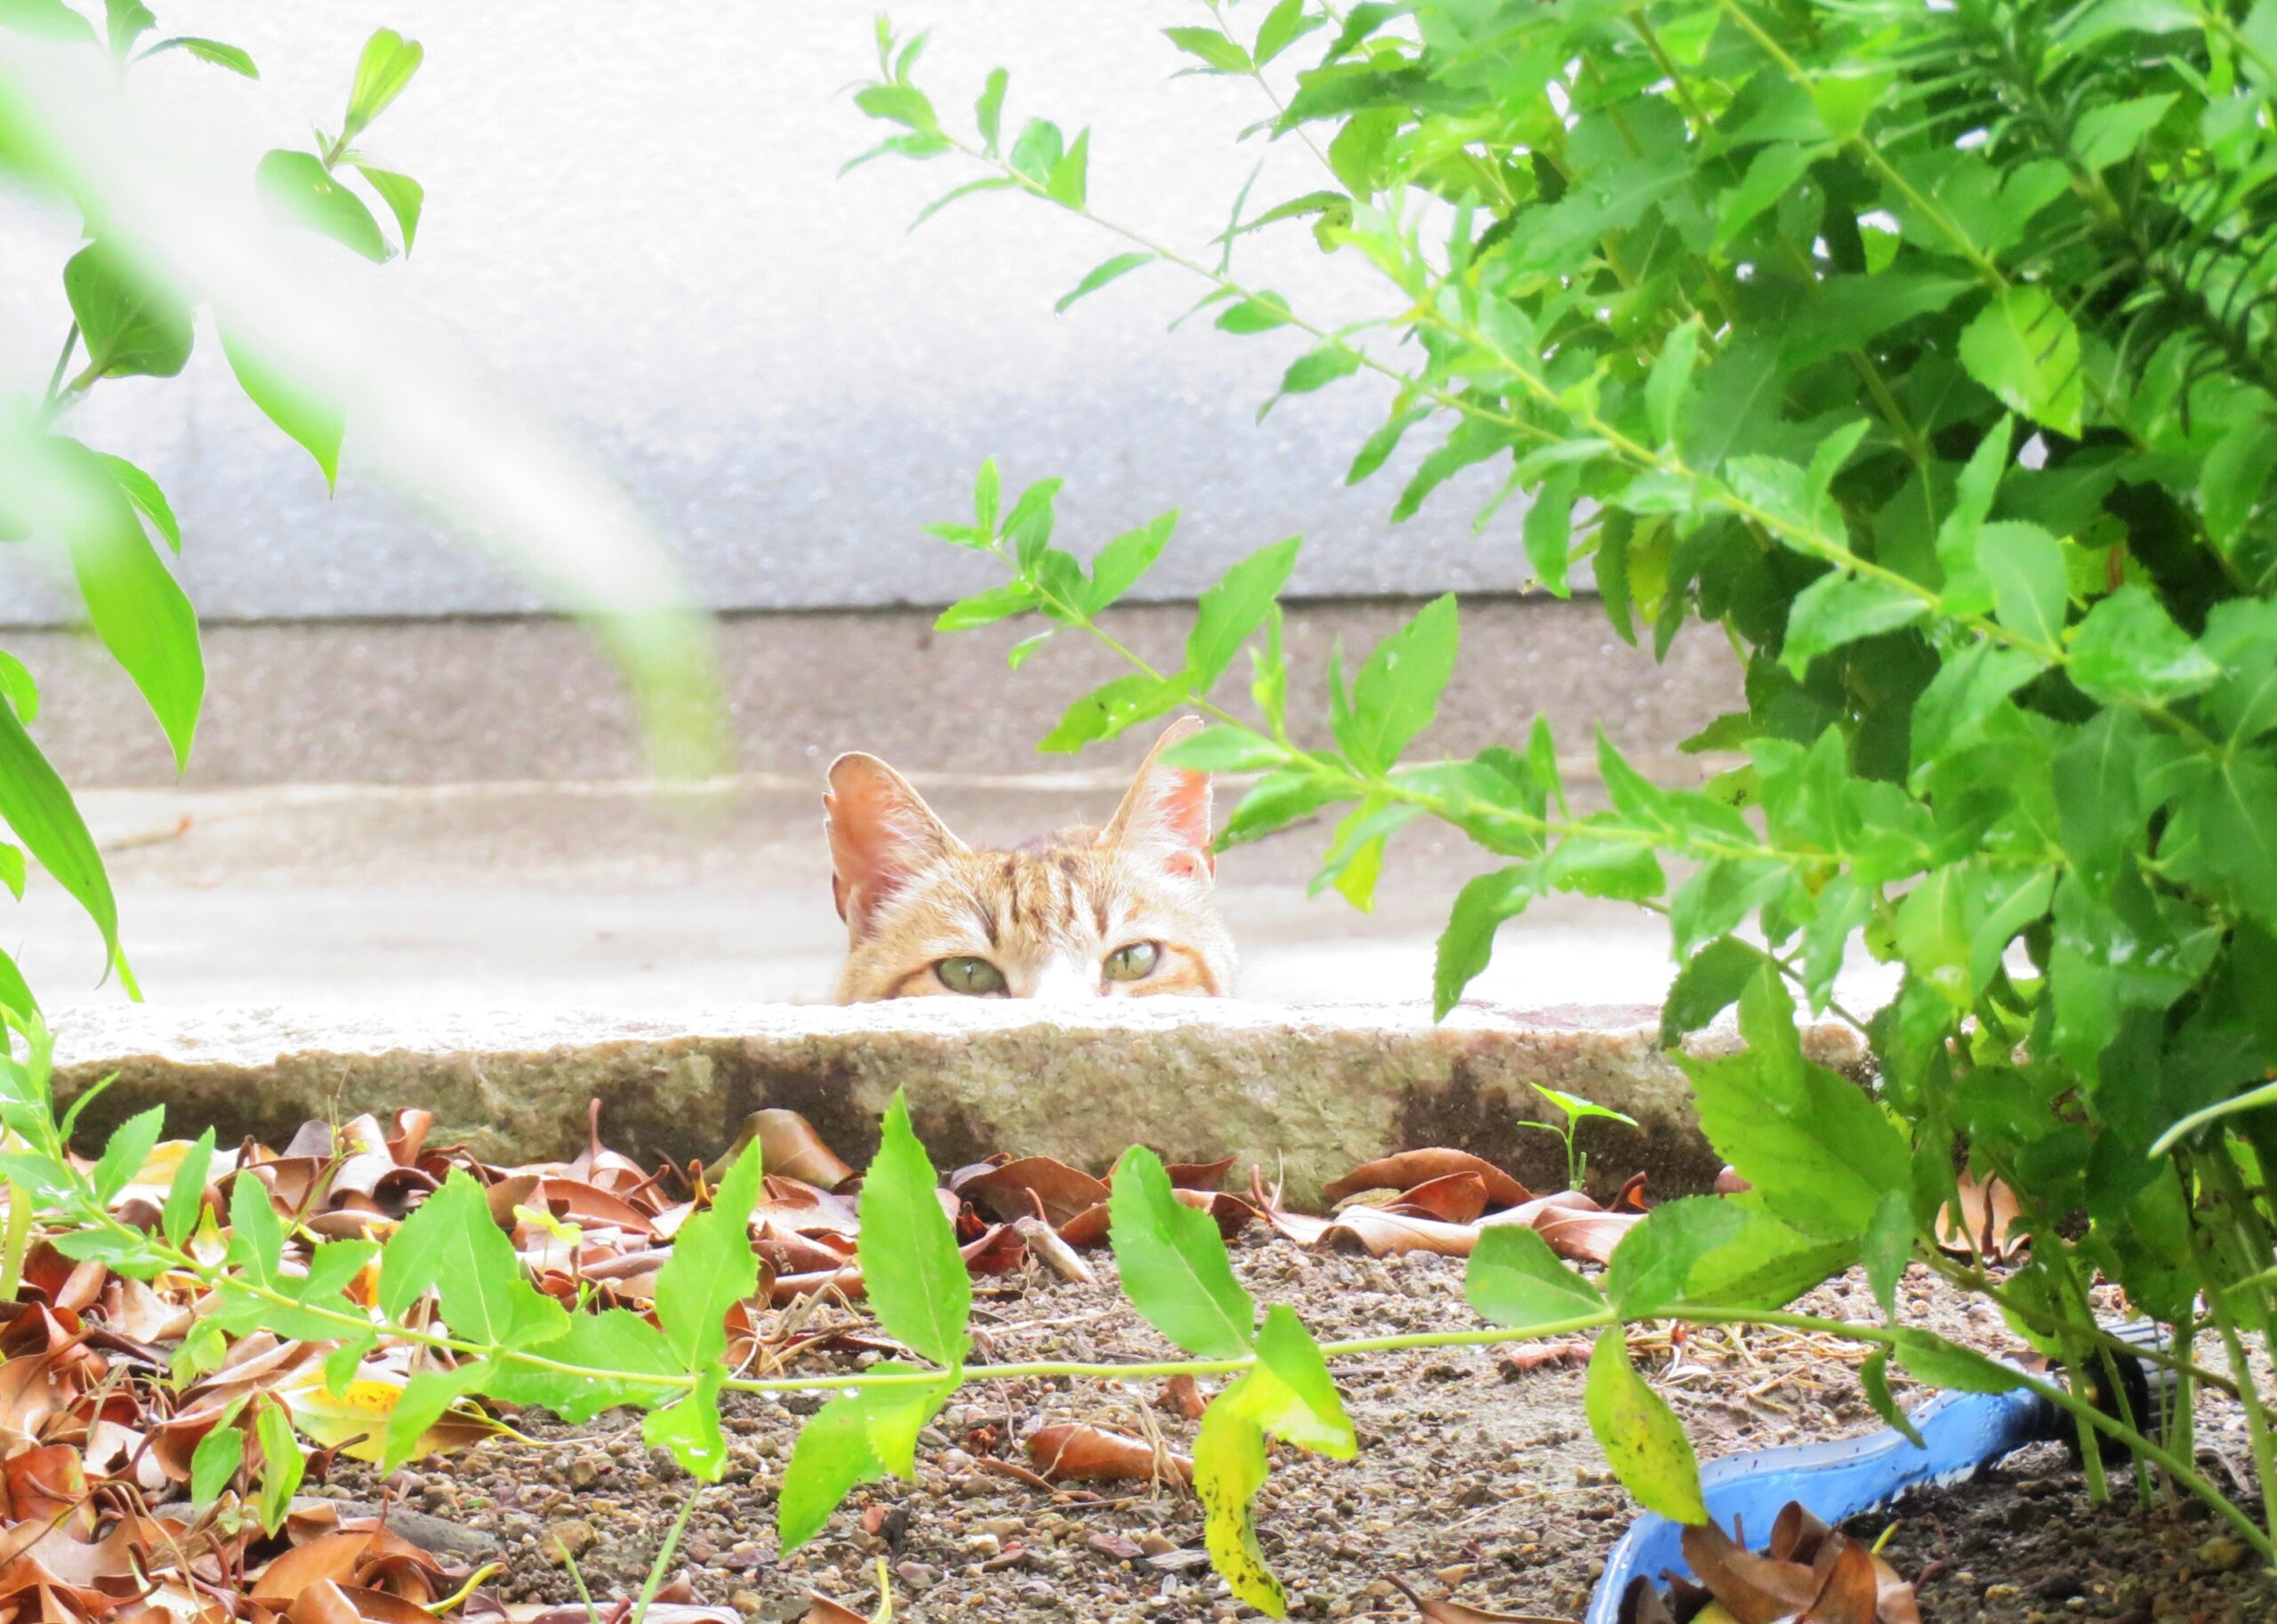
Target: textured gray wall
(634, 217)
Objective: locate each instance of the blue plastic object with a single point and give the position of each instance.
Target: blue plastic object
(1962, 1433)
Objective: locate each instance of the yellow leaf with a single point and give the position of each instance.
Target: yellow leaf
(362, 1411)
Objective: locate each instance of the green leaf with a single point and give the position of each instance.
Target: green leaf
(2235, 475)
(1114, 706)
(46, 19)
(213, 1463)
(917, 1283)
(382, 72)
(132, 323)
(144, 493)
(1290, 1392)
(851, 1441)
(1706, 1250)
(2222, 836)
(1236, 607)
(2129, 651)
(2025, 350)
(422, 1403)
(988, 112)
(318, 424)
(988, 495)
(1314, 369)
(1515, 1280)
(1223, 748)
(1643, 1441)
(2030, 587)
(711, 1267)
(987, 608)
(1709, 982)
(901, 104)
(186, 1197)
(1211, 48)
(1036, 150)
(1873, 1376)
(1173, 1264)
(1670, 377)
(256, 1233)
(2109, 134)
(1262, 314)
(282, 1464)
(133, 601)
(1028, 526)
(127, 21)
(1839, 609)
(1274, 803)
(216, 52)
(1968, 687)
(298, 190)
(1397, 691)
(1930, 1359)
(1467, 944)
(127, 1149)
(1888, 1249)
(1771, 174)
(689, 1430)
(607, 1352)
(17, 688)
(2241, 637)
(1281, 28)
(452, 1244)
(1125, 558)
(404, 197)
(1101, 274)
(1549, 529)
(1070, 181)
(1819, 1153)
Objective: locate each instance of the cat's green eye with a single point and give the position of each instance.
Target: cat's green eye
(1134, 962)
(976, 977)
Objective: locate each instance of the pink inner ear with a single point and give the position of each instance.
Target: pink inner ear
(1181, 809)
(1176, 813)
(877, 839)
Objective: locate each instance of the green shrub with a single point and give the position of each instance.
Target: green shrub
(1924, 352)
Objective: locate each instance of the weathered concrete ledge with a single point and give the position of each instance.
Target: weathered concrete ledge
(1308, 1092)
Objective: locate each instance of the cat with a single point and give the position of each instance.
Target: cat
(1120, 911)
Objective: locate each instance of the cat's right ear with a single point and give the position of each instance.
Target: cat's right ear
(881, 833)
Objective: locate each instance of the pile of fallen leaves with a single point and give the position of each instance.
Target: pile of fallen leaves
(1809, 1574)
(151, 1468)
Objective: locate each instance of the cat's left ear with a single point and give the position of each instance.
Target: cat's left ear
(1167, 809)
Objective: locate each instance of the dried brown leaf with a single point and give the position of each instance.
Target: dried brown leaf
(1411, 1168)
(1084, 1453)
(1457, 1198)
(1754, 1589)
(790, 1148)
(1004, 1190)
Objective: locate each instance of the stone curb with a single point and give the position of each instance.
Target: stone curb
(1304, 1093)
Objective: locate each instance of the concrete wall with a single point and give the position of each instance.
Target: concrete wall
(634, 217)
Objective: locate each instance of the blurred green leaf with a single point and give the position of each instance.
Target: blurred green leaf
(318, 424)
(1101, 275)
(404, 197)
(298, 190)
(130, 321)
(382, 72)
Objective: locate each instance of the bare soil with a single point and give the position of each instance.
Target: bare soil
(1474, 1479)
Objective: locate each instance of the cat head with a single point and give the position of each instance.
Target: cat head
(1119, 911)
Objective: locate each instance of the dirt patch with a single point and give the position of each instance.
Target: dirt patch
(2021, 1545)
(1474, 1477)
